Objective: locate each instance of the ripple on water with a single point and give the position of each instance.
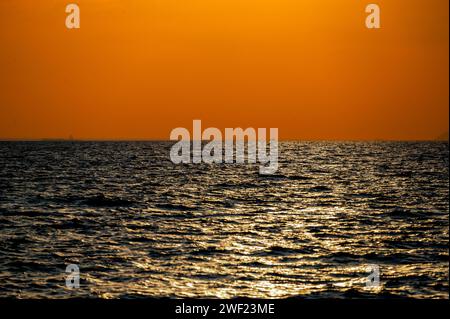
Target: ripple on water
(139, 226)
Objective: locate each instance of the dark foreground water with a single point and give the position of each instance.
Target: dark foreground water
(137, 225)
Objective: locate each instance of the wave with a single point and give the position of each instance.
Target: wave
(397, 258)
(320, 188)
(283, 251)
(399, 212)
(97, 200)
(102, 200)
(175, 207)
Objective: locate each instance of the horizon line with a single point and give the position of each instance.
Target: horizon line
(168, 140)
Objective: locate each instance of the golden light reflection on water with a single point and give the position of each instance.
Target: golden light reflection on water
(252, 266)
(224, 231)
(274, 265)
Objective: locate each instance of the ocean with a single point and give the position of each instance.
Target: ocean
(139, 226)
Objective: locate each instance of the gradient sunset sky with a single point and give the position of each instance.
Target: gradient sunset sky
(136, 69)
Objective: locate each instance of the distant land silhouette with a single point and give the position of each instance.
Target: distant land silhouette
(443, 137)
(58, 139)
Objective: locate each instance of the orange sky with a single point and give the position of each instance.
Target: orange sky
(139, 68)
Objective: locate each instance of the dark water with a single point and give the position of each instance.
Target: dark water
(138, 225)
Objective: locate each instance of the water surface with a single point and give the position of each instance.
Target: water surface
(139, 226)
